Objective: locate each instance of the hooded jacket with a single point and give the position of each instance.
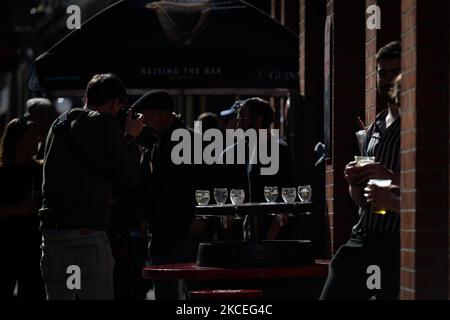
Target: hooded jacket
(86, 155)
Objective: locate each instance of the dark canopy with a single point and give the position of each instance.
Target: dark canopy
(176, 44)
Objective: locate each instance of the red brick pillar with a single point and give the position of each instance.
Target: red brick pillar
(310, 121)
(375, 39)
(290, 14)
(275, 9)
(302, 44)
(424, 145)
(371, 89)
(348, 64)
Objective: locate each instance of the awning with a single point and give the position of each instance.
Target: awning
(175, 44)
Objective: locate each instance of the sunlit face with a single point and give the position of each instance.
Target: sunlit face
(387, 71)
(396, 91)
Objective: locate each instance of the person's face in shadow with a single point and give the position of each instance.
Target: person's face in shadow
(231, 123)
(245, 120)
(158, 120)
(43, 120)
(29, 144)
(387, 71)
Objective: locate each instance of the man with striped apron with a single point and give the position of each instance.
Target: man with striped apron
(368, 265)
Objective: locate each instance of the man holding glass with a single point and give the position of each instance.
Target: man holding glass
(375, 238)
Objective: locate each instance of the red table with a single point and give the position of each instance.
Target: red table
(190, 271)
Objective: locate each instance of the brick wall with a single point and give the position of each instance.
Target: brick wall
(375, 39)
(302, 44)
(408, 153)
(329, 174)
(348, 103)
(424, 150)
(290, 14)
(371, 89)
(312, 25)
(275, 9)
(425, 157)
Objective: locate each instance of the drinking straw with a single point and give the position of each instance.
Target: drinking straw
(361, 124)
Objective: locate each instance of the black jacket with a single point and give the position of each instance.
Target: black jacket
(172, 194)
(86, 156)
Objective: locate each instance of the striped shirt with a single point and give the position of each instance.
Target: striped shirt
(383, 144)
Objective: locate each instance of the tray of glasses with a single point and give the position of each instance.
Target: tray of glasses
(263, 208)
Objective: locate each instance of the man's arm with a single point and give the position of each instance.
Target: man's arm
(355, 194)
(351, 174)
(357, 177)
(383, 197)
(376, 171)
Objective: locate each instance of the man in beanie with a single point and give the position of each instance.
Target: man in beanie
(171, 193)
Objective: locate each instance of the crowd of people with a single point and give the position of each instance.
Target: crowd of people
(109, 188)
(95, 186)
